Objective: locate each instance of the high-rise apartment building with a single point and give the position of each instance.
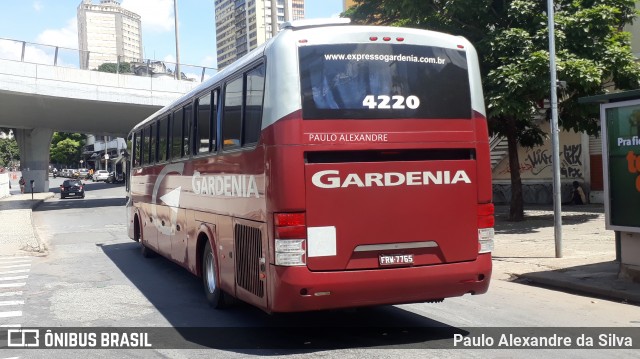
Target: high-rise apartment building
(107, 31)
(243, 25)
(346, 4)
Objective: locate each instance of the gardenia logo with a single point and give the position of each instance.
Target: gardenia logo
(332, 179)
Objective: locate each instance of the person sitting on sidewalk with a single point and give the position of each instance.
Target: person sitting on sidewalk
(22, 183)
(577, 194)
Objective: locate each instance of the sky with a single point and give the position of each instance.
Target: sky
(53, 22)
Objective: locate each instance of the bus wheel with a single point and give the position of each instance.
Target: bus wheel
(212, 291)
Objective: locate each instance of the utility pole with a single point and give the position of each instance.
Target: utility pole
(175, 15)
(557, 198)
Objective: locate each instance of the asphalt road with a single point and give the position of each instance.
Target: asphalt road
(95, 276)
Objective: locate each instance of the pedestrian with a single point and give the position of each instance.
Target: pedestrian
(22, 183)
(577, 194)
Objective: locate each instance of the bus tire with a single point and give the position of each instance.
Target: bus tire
(210, 281)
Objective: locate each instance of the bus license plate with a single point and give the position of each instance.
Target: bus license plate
(72, 193)
(399, 259)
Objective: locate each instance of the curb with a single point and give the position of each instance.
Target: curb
(557, 282)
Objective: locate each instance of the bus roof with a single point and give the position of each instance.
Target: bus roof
(329, 31)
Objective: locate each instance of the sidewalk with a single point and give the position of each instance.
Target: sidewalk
(17, 236)
(524, 251)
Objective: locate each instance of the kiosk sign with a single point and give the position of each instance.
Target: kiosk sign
(621, 155)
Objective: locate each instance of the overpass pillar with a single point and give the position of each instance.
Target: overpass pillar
(34, 147)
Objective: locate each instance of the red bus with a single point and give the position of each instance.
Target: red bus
(335, 166)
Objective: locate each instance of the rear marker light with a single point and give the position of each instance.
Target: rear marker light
(373, 38)
(386, 38)
(460, 47)
(290, 239)
(486, 233)
(400, 39)
(303, 41)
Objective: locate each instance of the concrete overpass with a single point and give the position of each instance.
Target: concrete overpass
(37, 100)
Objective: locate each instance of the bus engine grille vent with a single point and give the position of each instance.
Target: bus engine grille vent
(248, 251)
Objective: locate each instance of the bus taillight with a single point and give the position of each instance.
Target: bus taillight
(290, 239)
(486, 220)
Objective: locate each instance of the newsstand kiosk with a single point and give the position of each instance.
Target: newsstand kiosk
(620, 129)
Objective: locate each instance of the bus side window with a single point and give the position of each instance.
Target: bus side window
(253, 106)
(232, 114)
(203, 135)
(214, 120)
(136, 149)
(145, 146)
(153, 135)
(176, 135)
(162, 139)
(187, 123)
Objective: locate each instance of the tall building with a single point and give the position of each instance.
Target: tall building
(107, 31)
(346, 4)
(243, 25)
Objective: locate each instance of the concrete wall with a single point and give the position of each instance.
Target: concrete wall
(536, 170)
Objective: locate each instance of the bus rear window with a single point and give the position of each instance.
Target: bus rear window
(364, 81)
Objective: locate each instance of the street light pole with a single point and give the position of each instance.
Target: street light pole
(557, 210)
(175, 16)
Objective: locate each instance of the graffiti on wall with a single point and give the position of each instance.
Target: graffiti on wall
(571, 163)
(539, 160)
(536, 163)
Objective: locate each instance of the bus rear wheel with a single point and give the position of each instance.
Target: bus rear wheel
(212, 290)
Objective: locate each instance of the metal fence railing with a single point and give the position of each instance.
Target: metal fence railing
(24, 51)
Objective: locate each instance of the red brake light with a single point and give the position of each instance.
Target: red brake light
(400, 39)
(290, 226)
(289, 219)
(373, 38)
(386, 38)
(487, 209)
(485, 215)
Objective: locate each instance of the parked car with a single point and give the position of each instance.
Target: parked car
(71, 188)
(100, 175)
(115, 177)
(83, 173)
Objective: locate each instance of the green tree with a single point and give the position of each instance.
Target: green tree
(66, 148)
(9, 152)
(511, 37)
(125, 67)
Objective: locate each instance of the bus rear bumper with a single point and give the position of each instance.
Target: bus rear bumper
(299, 289)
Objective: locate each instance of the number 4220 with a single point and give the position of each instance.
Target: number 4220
(391, 102)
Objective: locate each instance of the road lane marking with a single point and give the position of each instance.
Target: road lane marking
(17, 313)
(11, 326)
(14, 278)
(15, 271)
(15, 266)
(14, 262)
(12, 285)
(12, 302)
(9, 294)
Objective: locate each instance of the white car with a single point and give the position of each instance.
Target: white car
(100, 175)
